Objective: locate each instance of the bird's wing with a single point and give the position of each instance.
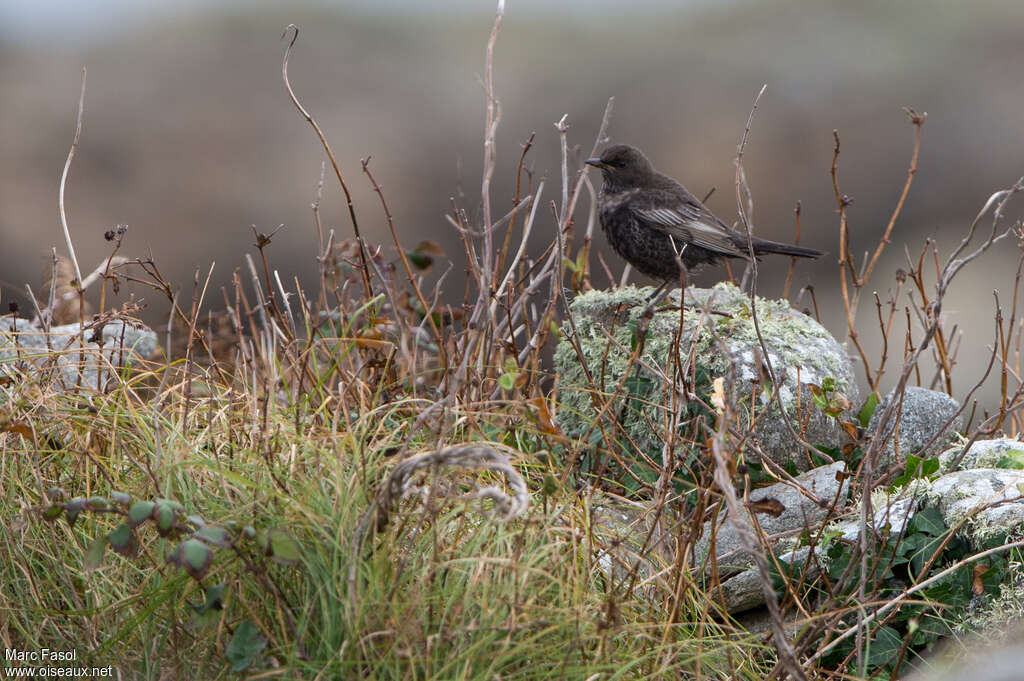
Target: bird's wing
(691, 224)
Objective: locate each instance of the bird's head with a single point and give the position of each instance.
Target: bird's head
(623, 166)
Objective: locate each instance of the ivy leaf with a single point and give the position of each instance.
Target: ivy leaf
(885, 645)
(215, 597)
(244, 646)
(929, 521)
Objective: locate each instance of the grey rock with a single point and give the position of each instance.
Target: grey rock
(60, 354)
(923, 415)
(999, 453)
(744, 591)
(759, 622)
(802, 353)
(891, 517)
(800, 512)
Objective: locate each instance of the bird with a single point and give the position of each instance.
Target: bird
(655, 224)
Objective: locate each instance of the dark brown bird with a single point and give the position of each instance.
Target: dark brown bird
(649, 218)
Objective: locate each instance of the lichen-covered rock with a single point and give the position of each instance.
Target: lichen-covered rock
(26, 348)
(923, 414)
(1000, 453)
(719, 342)
(991, 497)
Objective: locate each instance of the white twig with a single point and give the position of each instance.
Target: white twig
(64, 179)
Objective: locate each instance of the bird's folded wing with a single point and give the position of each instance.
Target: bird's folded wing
(693, 225)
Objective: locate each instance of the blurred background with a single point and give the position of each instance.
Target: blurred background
(189, 136)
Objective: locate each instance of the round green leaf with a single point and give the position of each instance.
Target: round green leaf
(214, 536)
(123, 541)
(194, 557)
(164, 514)
(140, 512)
(97, 503)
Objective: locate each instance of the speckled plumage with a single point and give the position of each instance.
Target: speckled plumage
(648, 218)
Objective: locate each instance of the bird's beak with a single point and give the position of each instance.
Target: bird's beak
(596, 162)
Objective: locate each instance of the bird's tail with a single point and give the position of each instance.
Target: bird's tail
(762, 246)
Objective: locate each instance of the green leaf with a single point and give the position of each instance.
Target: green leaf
(54, 512)
(164, 514)
(194, 557)
(215, 597)
(244, 646)
(173, 504)
(123, 541)
(868, 410)
(885, 645)
(94, 554)
(73, 508)
(929, 521)
(97, 503)
(419, 260)
(140, 512)
(828, 384)
(924, 554)
(214, 536)
(818, 397)
(507, 381)
(208, 613)
(201, 619)
(283, 547)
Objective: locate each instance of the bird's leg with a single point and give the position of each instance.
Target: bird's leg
(651, 302)
(657, 294)
(747, 272)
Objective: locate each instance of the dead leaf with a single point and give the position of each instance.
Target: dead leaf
(769, 505)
